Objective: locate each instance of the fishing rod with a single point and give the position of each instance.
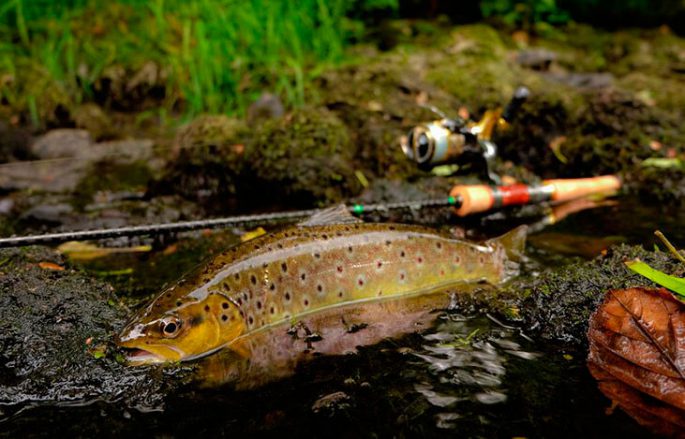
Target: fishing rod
(464, 199)
(182, 226)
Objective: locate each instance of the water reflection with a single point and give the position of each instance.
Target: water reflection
(463, 360)
(467, 359)
(276, 353)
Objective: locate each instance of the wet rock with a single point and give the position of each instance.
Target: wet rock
(558, 304)
(587, 81)
(55, 338)
(536, 59)
(71, 161)
(332, 403)
(62, 143)
(268, 106)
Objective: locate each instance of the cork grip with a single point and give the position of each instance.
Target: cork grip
(474, 198)
(569, 189)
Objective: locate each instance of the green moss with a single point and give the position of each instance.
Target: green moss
(307, 155)
(562, 301)
(209, 161)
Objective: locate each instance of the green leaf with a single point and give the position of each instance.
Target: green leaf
(675, 284)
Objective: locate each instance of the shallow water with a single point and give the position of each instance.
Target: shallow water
(441, 372)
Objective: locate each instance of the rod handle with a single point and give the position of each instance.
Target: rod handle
(569, 189)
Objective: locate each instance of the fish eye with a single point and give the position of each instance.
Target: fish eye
(170, 326)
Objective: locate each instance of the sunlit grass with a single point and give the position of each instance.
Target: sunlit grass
(216, 55)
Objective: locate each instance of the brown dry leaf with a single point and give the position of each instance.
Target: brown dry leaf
(50, 266)
(637, 353)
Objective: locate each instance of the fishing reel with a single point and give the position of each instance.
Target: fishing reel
(457, 141)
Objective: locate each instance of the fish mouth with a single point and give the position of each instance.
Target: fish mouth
(137, 356)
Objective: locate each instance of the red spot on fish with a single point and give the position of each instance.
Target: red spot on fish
(419, 260)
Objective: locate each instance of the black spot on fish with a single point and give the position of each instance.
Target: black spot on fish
(237, 276)
(338, 233)
(279, 245)
(303, 276)
(340, 293)
(284, 267)
(207, 308)
(439, 245)
(179, 303)
(349, 249)
(224, 305)
(272, 310)
(340, 269)
(402, 254)
(265, 265)
(319, 288)
(272, 287)
(317, 256)
(391, 227)
(253, 279)
(224, 317)
(239, 300)
(287, 296)
(324, 236)
(306, 302)
(387, 242)
(251, 320)
(259, 305)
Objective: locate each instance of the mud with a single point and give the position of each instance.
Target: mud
(56, 327)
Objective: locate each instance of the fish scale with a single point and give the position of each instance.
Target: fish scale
(289, 274)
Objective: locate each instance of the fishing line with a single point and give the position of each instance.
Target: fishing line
(181, 226)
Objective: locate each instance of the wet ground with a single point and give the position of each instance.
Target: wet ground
(447, 367)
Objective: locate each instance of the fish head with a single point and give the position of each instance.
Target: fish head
(186, 330)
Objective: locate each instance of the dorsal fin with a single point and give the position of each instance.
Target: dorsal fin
(332, 215)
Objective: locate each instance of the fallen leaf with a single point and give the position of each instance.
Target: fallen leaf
(637, 354)
(50, 266)
(252, 234)
(83, 251)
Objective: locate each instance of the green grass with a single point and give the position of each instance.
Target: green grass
(216, 55)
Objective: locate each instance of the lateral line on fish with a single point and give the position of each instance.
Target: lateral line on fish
(334, 243)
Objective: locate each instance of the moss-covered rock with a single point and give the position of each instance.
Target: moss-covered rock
(307, 156)
(209, 160)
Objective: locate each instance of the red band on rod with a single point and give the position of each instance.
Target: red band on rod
(515, 194)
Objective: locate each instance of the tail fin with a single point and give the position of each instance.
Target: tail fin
(513, 242)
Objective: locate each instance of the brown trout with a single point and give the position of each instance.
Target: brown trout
(331, 260)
